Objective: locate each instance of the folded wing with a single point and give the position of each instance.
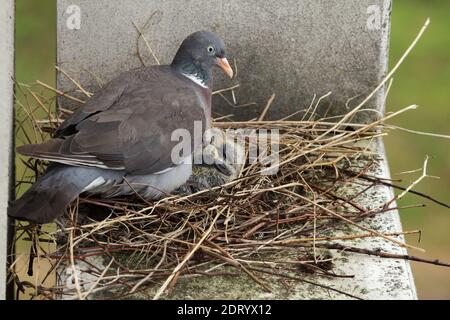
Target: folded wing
(127, 125)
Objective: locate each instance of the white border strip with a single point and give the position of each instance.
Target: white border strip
(6, 129)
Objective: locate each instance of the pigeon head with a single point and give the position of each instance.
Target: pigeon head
(198, 53)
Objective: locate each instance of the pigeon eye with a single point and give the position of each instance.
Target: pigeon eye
(210, 49)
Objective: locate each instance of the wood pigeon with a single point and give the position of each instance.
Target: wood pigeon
(122, 136)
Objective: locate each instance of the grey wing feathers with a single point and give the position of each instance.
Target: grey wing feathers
(129, 129)
(51, 194)
(100, 101)
(55, 149)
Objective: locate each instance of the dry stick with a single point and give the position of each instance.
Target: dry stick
(76, 83)
(408, 189)
(239, 265)
(405, 190)
(281, 122)
(246, 105)
(328, 192)
(187, 257)
(351, 237)
(233, 96)
(317, 105)
(423, 176)
(306, 111)
(228, 258)
(335, 246)
(226, 99)
(387, 184)
(38, 100)
(100, 82)
(314, 218)
(339, 141)
(226, 89)
(135, 192)
(72, 262)
(361, 226)
(59, 92)
(151, 273)
(228, 116)
(304, 123)
(30, 115)
(141, 34)
(299, 124)
(304, 280)
(269, 103)
(436, 135)
(388, 89)
(97, 281)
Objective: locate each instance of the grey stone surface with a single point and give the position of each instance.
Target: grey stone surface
(296, 49)
(6, 129)
(292, 48)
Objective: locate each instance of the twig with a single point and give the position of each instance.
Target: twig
(306, 281)
(141, 35)
(382, 254)
(187, 257)
(269, 103)
(59, 92)
(76, 83)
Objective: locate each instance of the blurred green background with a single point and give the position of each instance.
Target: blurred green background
(423, 79)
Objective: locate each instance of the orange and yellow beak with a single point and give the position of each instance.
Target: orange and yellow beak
(225, 66)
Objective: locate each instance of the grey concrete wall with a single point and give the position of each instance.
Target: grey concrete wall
(6, 129)
(289, 47)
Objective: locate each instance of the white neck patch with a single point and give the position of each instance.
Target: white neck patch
(196, 79)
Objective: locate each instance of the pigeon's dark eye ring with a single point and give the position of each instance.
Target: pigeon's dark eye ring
(210, 49)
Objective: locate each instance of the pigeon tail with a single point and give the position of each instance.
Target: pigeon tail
(51, 194)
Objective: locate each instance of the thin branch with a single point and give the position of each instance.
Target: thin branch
(383, 254)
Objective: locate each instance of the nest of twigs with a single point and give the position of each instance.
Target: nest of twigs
(280, 225)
